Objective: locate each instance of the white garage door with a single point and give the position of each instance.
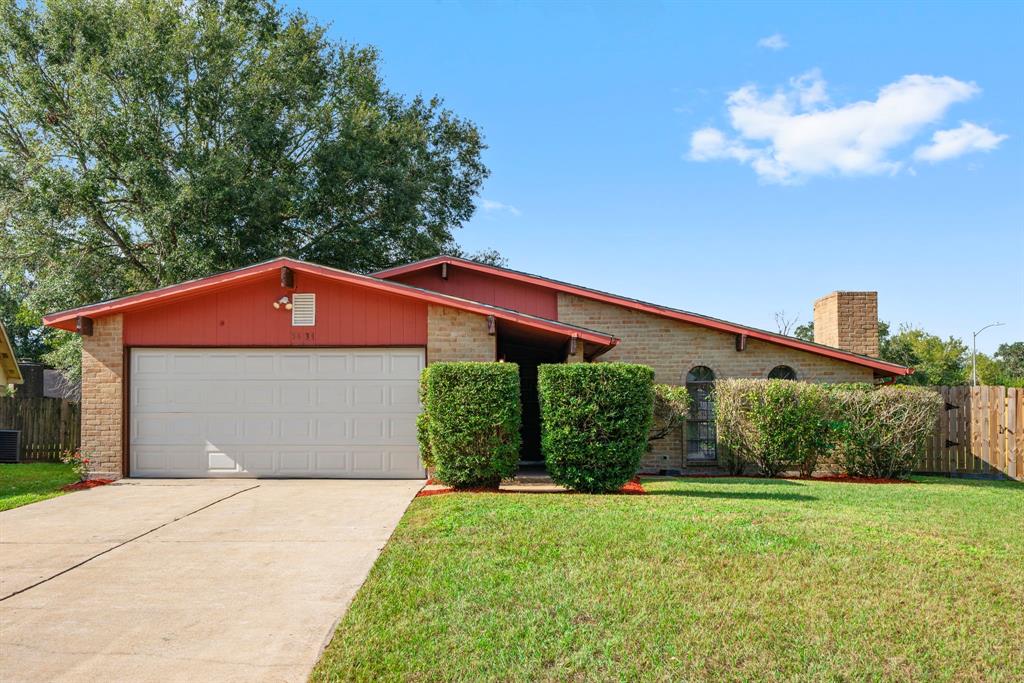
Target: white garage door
(275, 413)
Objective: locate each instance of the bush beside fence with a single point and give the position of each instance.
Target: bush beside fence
(780, 425)
(883, 433)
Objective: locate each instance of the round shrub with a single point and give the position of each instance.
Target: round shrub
(882, 433)
(776, 424)
(469, 427)
(595, 420)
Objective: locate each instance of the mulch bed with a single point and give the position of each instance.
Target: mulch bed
(87, 484)
(440, 492)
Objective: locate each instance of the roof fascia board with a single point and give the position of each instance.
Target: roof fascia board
(655, 309)
(65, 319)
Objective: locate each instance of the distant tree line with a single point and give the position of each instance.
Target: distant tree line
(941, 362)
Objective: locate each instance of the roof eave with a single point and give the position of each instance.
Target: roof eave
(66, 319)
(889, 369)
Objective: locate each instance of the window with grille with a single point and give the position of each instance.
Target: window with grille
(782, 372)
(700, 426)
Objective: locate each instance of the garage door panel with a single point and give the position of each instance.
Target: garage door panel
(295, 463)
(147, 365)
(301, 413)
(258, 462)
(406, 365)
(335, 461)
(155, 396)
(333, 364)
(187, 364)
(257, 429)
(258, 365)
(366, 461)
(332, 431)
(403, 396)
(219, 461)
(368, 396)
(299, 366)
(222, 364)
(295, 396)
(401, 431)
(405, 459)
(368, 364)
(259, 394)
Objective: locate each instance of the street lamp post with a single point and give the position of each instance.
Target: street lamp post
(974, 352)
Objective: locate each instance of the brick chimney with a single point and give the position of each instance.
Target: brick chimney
(848, 321)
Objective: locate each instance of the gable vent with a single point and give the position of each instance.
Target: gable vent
(304, 310)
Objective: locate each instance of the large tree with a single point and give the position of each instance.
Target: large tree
(936, 361)
(144, 142)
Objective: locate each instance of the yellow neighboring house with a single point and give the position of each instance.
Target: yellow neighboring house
(9, 372)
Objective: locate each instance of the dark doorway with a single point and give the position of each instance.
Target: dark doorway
(528, 357)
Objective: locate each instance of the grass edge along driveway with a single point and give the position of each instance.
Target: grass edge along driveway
(738, 579)
(30, 482)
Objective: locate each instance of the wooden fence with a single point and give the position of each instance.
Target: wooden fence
(981, 431)
(48, 425)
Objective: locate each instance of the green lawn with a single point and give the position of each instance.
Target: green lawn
(738, 579)
(29, 482)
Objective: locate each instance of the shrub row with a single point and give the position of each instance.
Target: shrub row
(776, 424)
(596, 421)
(780, 425)
(882, 433)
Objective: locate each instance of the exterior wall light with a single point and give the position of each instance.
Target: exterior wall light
(283, 301)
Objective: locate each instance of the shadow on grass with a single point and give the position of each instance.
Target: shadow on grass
(733, 495)
(727, 481)
(975, 481)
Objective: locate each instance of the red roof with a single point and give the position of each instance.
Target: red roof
(66, 319)
(882, 367)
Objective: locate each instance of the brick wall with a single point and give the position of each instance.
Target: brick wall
(102, 397)
(848, 321)
(456, 335)
(672, 348)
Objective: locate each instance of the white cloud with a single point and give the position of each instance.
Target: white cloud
(491, 206)
(773, 42)
(949, 144)
(795, 133)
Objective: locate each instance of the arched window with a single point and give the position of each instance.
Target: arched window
(782, 372)
(700, 427)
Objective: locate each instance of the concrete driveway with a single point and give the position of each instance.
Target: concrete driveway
(196, 580)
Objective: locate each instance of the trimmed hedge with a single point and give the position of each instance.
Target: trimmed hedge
(776, 424)
(882, 433)
(468, 430)
(867, 432)
(671, 406)
(595, 420)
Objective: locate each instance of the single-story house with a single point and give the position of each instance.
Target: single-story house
(293, 369)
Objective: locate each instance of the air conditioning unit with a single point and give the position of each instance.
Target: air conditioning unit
(9, 439)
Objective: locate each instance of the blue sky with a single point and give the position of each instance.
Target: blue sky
(815, 166)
